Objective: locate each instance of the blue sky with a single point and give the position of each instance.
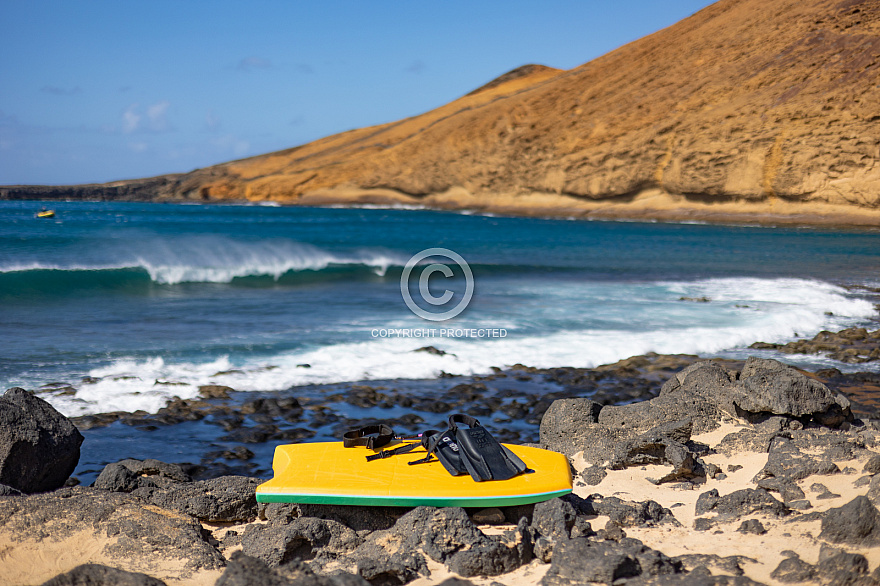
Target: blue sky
(98, 90)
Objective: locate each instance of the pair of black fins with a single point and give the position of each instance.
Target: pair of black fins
(470, 450)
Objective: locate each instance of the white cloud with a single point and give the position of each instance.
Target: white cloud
(154, 119)
(138, 147)
(131, 120)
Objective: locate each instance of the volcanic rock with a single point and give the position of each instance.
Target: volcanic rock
(39, 447)
(856, 523)
(447, 536)
(224, 499)
(302, 538)
(111, 528)
(98, 575)
(768, 386)
(739, 503)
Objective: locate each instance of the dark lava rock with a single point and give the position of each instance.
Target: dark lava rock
(731, 564)
(98, 575)
(674, 406)
(224, 499)
(151, 467)
(746, 440)
(287, 408)
(593, 475)
(764, 388)
(265, 432)
(388, 571)
(872, 466)
(794, 569)
(244, 570)
(787, 461)
(752, 526)
(578, 561)
(664, 444)
(215, 391)
(852, 345)
(787, 489)
(39, 447)
(491, 557)
(447, 536)
(856, 523)
(843, 568)
(563, 424)
(302, 538)
(453, 581)
(9, 491)
(873, 493)
(573, 425)
(128, 475)
(137, 531)
(490, 516)
(612, 532)
(116, 478)
(700, 577)
(863, 481)
(554, 519)
(431, 350)
(768, 386)
(633, 514)
(739, 503)
(358, 518)
(827, 495)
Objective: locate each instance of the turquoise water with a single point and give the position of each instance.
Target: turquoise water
(153, 300)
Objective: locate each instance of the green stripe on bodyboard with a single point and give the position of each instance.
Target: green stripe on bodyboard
(408, 501)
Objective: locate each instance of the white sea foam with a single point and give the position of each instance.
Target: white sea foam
(236, 259)
(740, 312)
(220, 260)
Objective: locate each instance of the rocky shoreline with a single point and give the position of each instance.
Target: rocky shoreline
(780, 467)
(229, 432)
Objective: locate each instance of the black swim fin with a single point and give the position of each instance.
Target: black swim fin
(483, 457)
(443, 446)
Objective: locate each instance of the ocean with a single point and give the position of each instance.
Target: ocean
(120, 306)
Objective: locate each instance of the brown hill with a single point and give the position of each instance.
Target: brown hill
(759, 109)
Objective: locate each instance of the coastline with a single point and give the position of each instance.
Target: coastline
(762, 496)
(226, 431)
(647, 205)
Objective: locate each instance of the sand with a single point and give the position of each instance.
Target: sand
(648, 205)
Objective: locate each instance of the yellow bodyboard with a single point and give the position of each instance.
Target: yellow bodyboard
(328, 473)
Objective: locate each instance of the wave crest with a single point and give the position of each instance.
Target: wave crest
(202, 260)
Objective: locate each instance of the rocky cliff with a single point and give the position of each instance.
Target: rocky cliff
(747, 109)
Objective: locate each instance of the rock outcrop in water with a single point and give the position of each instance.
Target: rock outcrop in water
(743, 110)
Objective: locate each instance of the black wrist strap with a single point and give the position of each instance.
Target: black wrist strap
(371, 436)
(425, 441)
